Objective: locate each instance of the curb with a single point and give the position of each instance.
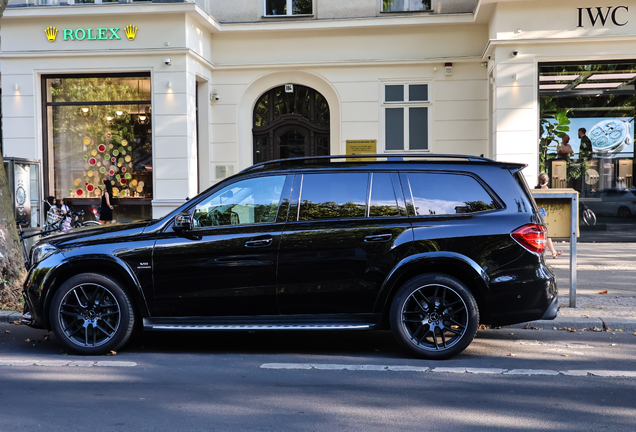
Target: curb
(626, 324)
(10, 316)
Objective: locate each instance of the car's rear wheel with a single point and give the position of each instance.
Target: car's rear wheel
(91, 314)
(624, 212)
(434, 316)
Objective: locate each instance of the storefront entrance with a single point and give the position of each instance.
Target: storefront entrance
(290, 121)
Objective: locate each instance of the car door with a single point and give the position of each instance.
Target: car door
(226, 264)
(345, 233)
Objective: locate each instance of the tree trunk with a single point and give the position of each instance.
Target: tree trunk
(12, 272)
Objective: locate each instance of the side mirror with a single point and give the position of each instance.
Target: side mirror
(183, 222)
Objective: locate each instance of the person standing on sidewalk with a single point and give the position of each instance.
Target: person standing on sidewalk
(106, 209)
(543, 184)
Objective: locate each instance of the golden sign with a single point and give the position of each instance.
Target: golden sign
(51, 33)
(131, 32)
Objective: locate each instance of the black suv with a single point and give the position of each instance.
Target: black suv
(428, 246)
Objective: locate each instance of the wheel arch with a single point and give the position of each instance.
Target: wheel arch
(108, 266)
(452, 264)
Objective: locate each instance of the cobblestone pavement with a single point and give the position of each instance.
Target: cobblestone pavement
(598, 306)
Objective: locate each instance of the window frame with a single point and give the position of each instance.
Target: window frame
(406, 105)
(283, 204)
(381, 8)
(410, 201)
(290, 10)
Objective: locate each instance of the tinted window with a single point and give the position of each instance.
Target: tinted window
(249, 201)
(438, 194)
(333, 196)
(383, 202)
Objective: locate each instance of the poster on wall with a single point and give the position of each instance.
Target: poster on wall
(22, 177)
(611, 137)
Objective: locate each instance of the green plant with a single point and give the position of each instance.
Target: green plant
(551, 130)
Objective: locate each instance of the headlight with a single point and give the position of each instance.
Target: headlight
(41, 251)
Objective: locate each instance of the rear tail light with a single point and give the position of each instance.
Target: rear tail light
(532, 237)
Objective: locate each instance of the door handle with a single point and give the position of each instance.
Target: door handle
(378, 237)
(259, 242)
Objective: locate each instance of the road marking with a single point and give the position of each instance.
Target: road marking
(469, 370)
(78, 363)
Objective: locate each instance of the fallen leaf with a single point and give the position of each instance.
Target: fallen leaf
(603, 292)
(565, 355)
(7, 331)
(620, 330)
(587, 316)
(596, 329)
(527, 326)
(482, 327)
(512, 355)
(511, 333)
(46, 336)
(535, 328)
(580, 333)
(634, 333)
(28, 340)
(612, 344)
(112, 353)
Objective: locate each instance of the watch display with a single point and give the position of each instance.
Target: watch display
(610, 137)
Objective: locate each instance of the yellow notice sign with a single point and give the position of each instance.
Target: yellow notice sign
(361, 147)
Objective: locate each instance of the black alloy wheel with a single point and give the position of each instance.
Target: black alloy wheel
(91, 314)
(434, 316)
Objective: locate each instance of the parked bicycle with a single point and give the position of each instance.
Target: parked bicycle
(588, 216)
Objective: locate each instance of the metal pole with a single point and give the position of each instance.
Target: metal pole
(574, 211)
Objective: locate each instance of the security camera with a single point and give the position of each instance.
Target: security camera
(167, 61)
(214, 95)
(515, 53)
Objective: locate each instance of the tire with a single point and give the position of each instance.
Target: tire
(589, 217)
(624, 212)
(89, 223)
(91, 314)
(434, 316)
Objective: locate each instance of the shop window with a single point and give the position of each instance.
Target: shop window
(288, 7)
(98, 128)
(406, 5)
(406, 117)
(594, 104)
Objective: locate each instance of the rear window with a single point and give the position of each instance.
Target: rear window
(448, 194)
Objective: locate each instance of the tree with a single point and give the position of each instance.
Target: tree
(11, 268)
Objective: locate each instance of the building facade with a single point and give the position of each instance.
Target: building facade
(164, 99)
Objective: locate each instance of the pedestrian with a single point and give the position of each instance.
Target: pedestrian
(564, 150)
(106, 209)
(543, 184)
(65, 212)
(585, 148)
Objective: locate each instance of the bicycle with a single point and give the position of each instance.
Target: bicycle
(23, 237)
(588, 216)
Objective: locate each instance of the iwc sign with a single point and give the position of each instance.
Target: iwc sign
(80, 34)
(596, 15)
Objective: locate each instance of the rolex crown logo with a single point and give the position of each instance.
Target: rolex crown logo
(51, 33)
(131, 32)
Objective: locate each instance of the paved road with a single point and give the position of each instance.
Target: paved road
(265, 382)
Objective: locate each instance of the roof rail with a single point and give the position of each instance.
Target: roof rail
(389, 157)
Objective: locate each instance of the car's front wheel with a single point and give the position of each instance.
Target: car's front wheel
(434, 316)
(91, 314)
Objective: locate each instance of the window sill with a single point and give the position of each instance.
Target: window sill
(408, 12)
(287, 16)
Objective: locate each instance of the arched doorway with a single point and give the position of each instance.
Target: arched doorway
(289, 124)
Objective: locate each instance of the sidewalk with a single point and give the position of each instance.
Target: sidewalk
(601, 267)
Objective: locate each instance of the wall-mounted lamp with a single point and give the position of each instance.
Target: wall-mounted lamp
(85, 111)
(519, 31)
(214, 96)
(16, 87)
(514, 77)
(448, 69)
(109, 120)
(169, 84)
(143, 119)
(119, 113)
